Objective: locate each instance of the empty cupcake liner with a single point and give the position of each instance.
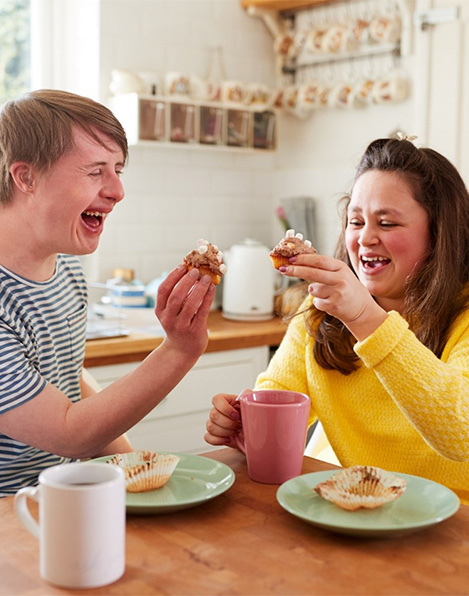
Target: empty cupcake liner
(361, 487)
(145, 470)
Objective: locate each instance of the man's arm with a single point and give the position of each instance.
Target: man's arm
(89, 386)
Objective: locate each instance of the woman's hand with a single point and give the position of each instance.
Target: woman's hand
(224, 420)
(183, 303)
(337, 291)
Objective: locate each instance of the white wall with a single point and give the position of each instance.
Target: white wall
(176, 195)
(318, 157)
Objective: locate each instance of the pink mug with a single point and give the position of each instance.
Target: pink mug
(273, 435)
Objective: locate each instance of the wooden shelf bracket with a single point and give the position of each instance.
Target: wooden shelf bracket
(270, 18)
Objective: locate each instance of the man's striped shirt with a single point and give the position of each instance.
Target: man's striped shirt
(42, 340)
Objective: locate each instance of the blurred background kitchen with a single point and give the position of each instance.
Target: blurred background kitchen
(244, 117)
(176, 194)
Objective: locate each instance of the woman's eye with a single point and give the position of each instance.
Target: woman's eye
(387, 224)
(355, 222)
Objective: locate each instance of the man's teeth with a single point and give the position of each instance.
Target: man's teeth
(374, 259)
(95, 214)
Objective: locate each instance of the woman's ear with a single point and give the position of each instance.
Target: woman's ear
(23, 177)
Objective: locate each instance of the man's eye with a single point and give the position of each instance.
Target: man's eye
(95, 173)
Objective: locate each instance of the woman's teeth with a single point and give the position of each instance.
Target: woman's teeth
(372, 262)
(95, 214)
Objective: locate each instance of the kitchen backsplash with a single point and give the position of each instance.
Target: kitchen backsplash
(176, 195)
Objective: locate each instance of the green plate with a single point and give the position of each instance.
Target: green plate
(195, 480)
(423, 504)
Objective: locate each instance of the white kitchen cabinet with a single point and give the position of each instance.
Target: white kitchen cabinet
(178, 422)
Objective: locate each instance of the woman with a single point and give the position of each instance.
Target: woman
(382, 344)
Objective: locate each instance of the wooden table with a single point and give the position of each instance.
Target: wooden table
(243, 542)
(223, 334)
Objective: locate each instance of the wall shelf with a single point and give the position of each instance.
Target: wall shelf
(282, 5)
(280, 18)
(179, 121)
(200, 147)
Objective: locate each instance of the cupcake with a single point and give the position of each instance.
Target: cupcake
(208, 259)
(361, 487)
(145, 470)
(290, 246)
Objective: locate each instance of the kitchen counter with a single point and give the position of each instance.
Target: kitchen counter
(243, 542)
(224, 334)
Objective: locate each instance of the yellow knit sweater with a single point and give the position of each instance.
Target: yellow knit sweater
(403, 410)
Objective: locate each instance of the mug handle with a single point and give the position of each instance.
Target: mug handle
(22, 509)
(238, 438)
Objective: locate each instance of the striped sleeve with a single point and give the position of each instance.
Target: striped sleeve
(19, 380)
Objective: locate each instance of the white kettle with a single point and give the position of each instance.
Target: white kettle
(249, 284)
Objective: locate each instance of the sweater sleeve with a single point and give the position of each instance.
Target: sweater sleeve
(287, 368)
(432, 393)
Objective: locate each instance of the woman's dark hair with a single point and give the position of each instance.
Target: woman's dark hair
(434, 295)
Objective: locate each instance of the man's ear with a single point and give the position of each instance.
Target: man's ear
(23, 176)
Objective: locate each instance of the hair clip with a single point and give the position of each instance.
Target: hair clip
(401, 136)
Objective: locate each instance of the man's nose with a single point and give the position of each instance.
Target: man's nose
(114, 189)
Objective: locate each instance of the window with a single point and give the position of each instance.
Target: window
(14, 48)
(51, 44)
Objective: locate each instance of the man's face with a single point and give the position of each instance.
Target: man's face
(73, 198)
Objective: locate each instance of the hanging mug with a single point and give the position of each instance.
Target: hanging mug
(393, 87)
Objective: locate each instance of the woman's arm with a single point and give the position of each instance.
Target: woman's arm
(433, 393)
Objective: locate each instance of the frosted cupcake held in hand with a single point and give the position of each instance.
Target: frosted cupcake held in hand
(290, 246)
(208, 259)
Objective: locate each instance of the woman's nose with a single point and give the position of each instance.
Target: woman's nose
(368, 236)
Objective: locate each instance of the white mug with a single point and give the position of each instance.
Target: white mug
(81, 527)
(176, 84)
(204, 89)
(235, 92)
(393, 87)
(336, 39)
(342, 95)
(258, 94)
(385, 29)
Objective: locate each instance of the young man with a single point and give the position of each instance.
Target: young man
(61, 156)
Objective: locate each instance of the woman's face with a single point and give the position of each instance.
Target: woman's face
(387, 235)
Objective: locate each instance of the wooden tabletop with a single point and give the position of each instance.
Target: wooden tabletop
(244, 543)
(224, 334)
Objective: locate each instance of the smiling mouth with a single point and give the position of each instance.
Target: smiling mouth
(374, 262)
(94, 219)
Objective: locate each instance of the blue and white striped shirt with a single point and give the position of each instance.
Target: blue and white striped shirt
(42, 340)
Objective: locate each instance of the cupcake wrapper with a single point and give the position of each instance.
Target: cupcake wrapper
(278, 261)
(216, 279)
(361, 487)
(145, 470)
